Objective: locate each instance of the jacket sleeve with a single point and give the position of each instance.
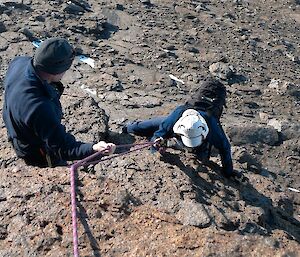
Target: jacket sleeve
(47, 126)
(166, 127)
(220, 141)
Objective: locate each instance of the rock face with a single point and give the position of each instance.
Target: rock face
(83, 117)
(142, 204)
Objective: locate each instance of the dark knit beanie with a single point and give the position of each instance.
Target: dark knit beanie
(54, 56)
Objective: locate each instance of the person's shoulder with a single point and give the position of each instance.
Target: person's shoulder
(16, 69)
(181, 108)
(211, 120)
(20, 59)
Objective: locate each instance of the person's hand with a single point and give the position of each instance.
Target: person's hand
(107, 148)
(158, 143)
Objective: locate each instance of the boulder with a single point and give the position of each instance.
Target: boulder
(288, 129)
(252, 134)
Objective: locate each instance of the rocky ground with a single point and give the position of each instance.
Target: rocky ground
(148, 205)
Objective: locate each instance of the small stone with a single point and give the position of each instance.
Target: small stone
(272, 242)
(120, 7)
(26, 32)
(221, 70)
(3, 232)
(278, 125)
(264, 117)
(146, 2)
(201, 7)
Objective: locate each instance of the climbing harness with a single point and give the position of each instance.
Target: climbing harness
(92, 160)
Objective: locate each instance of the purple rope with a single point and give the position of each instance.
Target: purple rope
(74, 218)
(117, 155)
(88, 161)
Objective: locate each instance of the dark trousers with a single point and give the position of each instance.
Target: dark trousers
(145, 128)
(35, 156)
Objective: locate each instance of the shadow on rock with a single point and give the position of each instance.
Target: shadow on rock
(20, 6)
(108, 30)
(272, 217)
(258, 215)
(120, 139)
(237, 78)
(83, 219)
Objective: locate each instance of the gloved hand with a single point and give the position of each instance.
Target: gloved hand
(159, 145)
(109, 148)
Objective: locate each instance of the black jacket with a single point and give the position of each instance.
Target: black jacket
(32, 114)
(215, 137)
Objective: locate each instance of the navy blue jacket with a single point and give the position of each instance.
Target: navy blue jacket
(32, 114)
(215, 137)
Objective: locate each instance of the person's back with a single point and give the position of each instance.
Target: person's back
(32, 111)
(24, 94)
(210, 97)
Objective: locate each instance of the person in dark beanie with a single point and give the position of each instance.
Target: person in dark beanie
(32, 111)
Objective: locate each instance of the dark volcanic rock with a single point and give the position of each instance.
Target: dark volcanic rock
(144, 204)
(251, 134)
(84, 118)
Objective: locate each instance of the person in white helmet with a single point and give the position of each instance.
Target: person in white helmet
(196, 130)
(192, 128)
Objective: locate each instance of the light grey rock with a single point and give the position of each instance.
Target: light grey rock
(283, 87)
(221, 70)
(264, 117)
(279, 125)
(201, 7)
(293, 57)
(12, 37)
(194, 214)
(287, 128)
(3, 44)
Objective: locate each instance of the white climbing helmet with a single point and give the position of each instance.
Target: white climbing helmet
(192, 128)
